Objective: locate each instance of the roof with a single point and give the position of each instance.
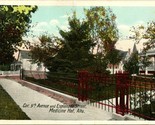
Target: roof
(129, 44)
(25, 54)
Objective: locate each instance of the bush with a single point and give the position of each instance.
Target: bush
(4, 67)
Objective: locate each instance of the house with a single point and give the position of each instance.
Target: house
(150, 69)
(24, 60)
(119, 66)
(126, 48)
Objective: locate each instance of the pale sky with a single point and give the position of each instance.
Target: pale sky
(49, 18)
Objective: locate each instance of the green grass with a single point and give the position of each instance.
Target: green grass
(9, 110)
(97, 93)
(57, 86)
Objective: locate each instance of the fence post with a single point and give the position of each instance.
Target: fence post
(122, 98)
(83, 85)
(21, 74)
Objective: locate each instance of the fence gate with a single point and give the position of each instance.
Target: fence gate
(83, 86)
(105, 90)
(97, 88)
(122, 93)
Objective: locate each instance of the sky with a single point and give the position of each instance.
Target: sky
(49, 18)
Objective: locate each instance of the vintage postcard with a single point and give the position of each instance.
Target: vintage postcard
(77, 62)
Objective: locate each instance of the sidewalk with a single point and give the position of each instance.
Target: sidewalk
(41, 107)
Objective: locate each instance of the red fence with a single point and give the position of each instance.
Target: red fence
(99, 89)
(118, 93)
(125, 94)
(122, 93)
(142, 97)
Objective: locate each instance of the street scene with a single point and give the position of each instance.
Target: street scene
(77, 63)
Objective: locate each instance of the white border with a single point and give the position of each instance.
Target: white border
(77, 3)
(72, 122)
(80, 2)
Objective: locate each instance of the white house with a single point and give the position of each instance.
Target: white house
(24, 60)
(151, 68)
(126, 48)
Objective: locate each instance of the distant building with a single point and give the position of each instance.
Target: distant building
(119, 66)
(151, 68)
(24, 60)
(126, 48)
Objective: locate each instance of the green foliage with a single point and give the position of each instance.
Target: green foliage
(132, 64)
(100, 64)
(144, 61)
(103, 27)
(104, 33)
(75, 52)
(4, 67)
(148, 33)
(113, 57)
(45, 50)
(14, 24)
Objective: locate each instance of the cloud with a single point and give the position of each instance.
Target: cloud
(40, 26)
(54, 22)
(124, 30)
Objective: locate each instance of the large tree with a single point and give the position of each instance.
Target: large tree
(14, 24)
(104, 31)
(132, 64)
(81, 37)
(46, 47)
(75, 53)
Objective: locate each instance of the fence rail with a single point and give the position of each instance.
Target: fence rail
(142, 97)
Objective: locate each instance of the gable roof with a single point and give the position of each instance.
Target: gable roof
(129, 44)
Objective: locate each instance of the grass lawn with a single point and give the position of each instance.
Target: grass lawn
(9, 110)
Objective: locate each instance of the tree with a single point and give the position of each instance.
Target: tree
(14, 24)
(76, 43)
(46, 48)
(147, 33)
(113, 57)
(75, 52)
(132, 64)
(104, 33)
(144, 61)
(103, 27)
